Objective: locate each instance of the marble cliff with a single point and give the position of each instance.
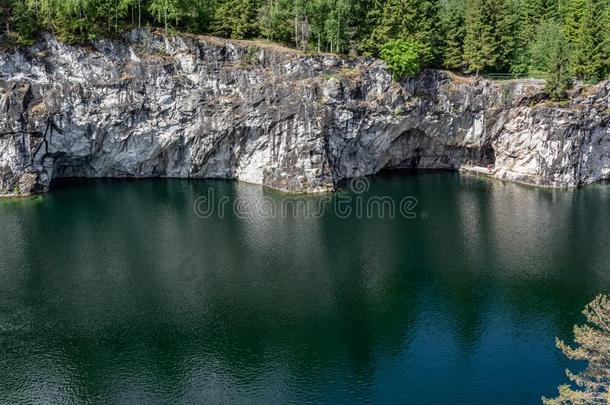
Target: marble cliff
(150, 105)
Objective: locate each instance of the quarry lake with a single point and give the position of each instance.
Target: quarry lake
(139, 291)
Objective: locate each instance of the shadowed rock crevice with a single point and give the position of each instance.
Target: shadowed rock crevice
(413, 149)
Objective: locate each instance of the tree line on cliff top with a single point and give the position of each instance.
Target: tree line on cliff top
(556, 39)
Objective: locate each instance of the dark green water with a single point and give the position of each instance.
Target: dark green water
(118, 292)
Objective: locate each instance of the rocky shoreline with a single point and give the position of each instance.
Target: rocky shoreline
(150, 105)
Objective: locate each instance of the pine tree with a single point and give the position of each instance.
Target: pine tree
(606, 41)
(276, 20)
(552, 10)
(6, 10)
(237, 18)
(555, 57)
(165, 11)
(574, 32)
(318, 10)
(339, 25)
(200, 14)
(301, 25)
(369, 23)
(25, 22)
(488, 44)
(333, 24)
(585, 29)
(453, 17)
(595, 55)
(414, 19)
(531, 13)
(593, 343)
(472, 35)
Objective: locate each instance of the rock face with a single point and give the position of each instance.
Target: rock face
(197, 107)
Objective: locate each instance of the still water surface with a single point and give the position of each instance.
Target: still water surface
(117, 291)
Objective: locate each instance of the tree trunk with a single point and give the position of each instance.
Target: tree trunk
(296, 30)
(6, 13)
(165, 15)
(338, 31)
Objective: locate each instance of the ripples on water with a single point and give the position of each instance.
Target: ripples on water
(117, 291)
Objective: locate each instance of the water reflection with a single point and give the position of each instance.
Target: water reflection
(118, 292)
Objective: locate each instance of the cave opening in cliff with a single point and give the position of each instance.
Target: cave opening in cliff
(413, 149)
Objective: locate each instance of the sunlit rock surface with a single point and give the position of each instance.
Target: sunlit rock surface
(199, 107)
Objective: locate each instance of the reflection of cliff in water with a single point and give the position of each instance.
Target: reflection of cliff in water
(140, 298)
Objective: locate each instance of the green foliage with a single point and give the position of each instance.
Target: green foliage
(489, 40)
(330, 25)
(165, 11)
(417, 19)
(476, 36)
(547, 41)
(26, 26)
(250, 57)
(529, 28)
(399, 111)
(402, 56)
(453, 17)
(276, 20)
(237, 18)
(585, 27)
(554, 57)
(591, 386)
